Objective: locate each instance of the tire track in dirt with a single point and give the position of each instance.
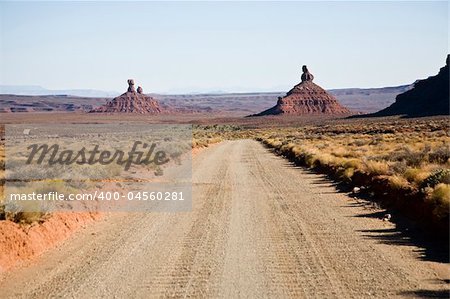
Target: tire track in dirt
(299, 267)
(198, 268)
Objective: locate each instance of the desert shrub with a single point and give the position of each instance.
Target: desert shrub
(376, 167)
(2, 211)
(398, 182)
(287, 146)
(297, 151)
(158, 171)
(400, 167)
(410, 157)
(440, 155)
(376, 140)
(353, 163)
(322, 145)
(359, 142)
(310, 159)
(27, 217)
(199, 143)
(441, 200)
(275, 143)
(437, 177)
(325, 159)
(341, 152)
(416, 175)
(348, 173)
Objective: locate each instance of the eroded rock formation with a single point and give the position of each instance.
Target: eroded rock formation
(306, 98)
(131, 102)
(306, 76)
(131, 85)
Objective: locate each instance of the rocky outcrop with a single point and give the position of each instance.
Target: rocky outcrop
(306, 98)
(131, 102)
(131, 85)
(428, 97)
(306, 76)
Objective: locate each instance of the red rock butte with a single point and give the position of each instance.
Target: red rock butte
(131, 101)
(428, 97)
(306, 98)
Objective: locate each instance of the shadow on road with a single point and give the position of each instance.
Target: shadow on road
(405, 233)
(426, 294)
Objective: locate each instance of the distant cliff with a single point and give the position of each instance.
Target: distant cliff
(428, 97)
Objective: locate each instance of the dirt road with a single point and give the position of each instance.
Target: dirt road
(259, 228)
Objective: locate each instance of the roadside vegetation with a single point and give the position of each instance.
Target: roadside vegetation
(404, 165)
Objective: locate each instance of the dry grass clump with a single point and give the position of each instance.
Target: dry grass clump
(398, 182)
(376, 167)
(416, 175)
(26, 217)
(440, 199)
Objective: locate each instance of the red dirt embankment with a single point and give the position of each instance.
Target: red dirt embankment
(19, 243)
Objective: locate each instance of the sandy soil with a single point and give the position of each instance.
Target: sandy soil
(21, 243)
(260, 227)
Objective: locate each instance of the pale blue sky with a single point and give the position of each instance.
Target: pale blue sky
(228, 46)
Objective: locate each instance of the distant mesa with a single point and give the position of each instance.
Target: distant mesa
(428, 97)
(306, 98)
(131, 101)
